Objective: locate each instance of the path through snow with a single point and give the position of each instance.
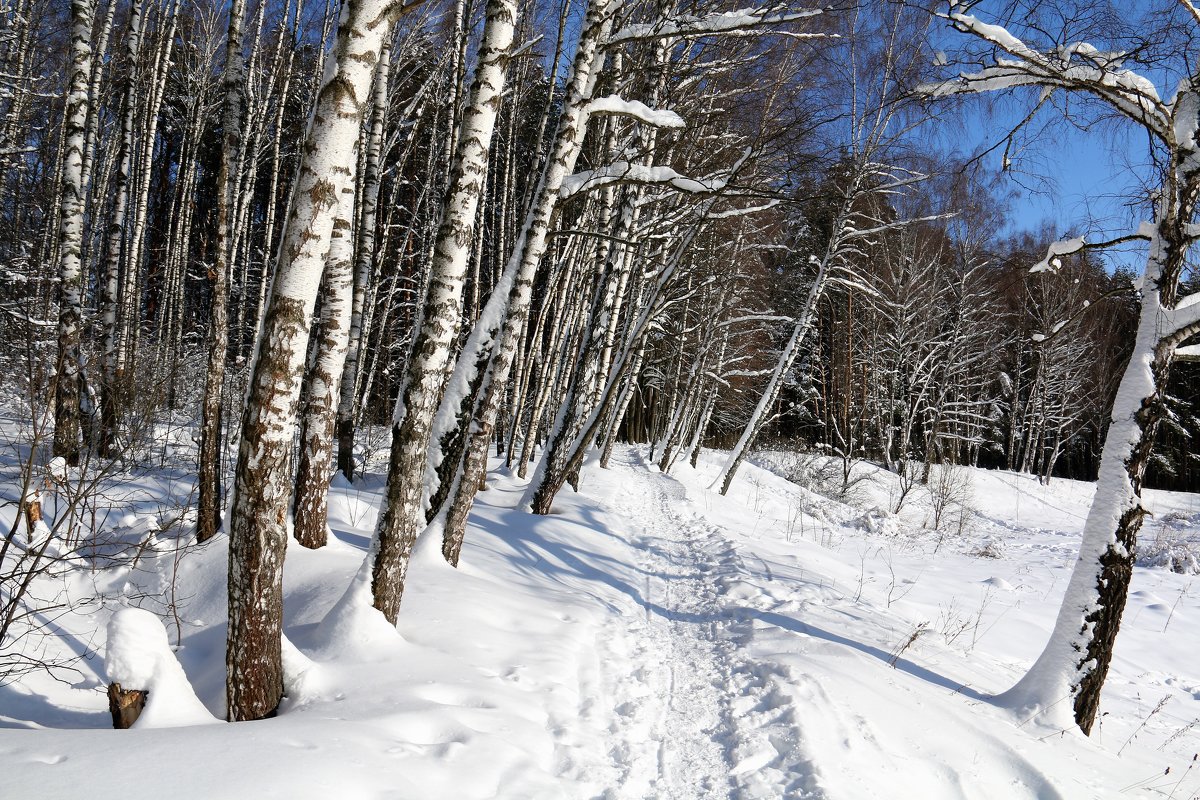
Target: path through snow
(671, 715)
(723, 699)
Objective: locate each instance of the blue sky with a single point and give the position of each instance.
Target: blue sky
(1076, 181)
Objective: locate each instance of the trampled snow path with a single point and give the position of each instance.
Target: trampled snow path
(739, 691)
(671, 715)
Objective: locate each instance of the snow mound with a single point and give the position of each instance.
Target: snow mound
(138, 656)
(876, 520)
(354, 629)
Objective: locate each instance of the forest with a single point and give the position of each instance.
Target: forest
(440, 237)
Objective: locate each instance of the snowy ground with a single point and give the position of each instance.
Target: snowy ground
(649, 639)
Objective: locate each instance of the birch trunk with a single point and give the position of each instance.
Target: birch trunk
(1075, 661)
(109, 298)
(404, 511)
(486, 360)
(788, 355)
(258, 530)
(70, 236)
(311, 506)
(364, 268)
(208, 520)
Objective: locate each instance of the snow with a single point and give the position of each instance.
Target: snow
(138, 656)
(745, 19)
(1055, 251)
(625, 172)
(612, 104)
(651, 638)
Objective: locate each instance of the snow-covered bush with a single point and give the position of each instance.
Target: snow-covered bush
(876, 520)
(991, 547)
(1171, 549)
(818, 473)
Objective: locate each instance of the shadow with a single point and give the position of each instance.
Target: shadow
(570, 566)
(353, 539)
(21, 706)
(902, 664)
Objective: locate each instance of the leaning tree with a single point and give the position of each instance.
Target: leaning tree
(1076, 659)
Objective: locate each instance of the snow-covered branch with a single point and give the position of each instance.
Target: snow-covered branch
(1185, 317)
(756, 318)
(1066, 247)
(1074, 67)
(615, 105)
(624, 172)
(850, 234)
(746, 20)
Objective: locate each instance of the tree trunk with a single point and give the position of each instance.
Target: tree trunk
(365, 259)
(67, 388)
(404, 504)
(1076, 659)
(258, 532)
(486, 360)
(208, 520)
(311, 507)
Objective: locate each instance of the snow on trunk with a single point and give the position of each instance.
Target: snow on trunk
(1067, 676)
(482, 368)
(403, 512)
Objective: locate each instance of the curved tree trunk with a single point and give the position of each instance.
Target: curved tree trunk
(477, 387)
(1075, 661)
(403, 513)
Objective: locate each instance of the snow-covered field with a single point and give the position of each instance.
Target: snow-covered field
(649, 639)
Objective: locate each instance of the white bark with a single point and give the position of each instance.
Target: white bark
(258, 532)
(70, 236)
(404, 511)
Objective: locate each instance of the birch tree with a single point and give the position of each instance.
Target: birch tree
(476, 387)
(1071, 669)
(259, 505)
(67, 388)
(875, 107)
(403, 512)
(233, 78)
(311, 504)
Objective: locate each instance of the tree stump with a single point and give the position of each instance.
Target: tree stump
(125, 705)
(33, 511)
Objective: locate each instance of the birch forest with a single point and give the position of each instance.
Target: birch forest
(448, 239)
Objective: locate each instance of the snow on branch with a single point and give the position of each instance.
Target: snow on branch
(746, 20)
(624, 172)
(659, 118)
(739, 212)
(1074, 67)
(851, 233)
(1066, 247)
(1185, 317)
(755, 318)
